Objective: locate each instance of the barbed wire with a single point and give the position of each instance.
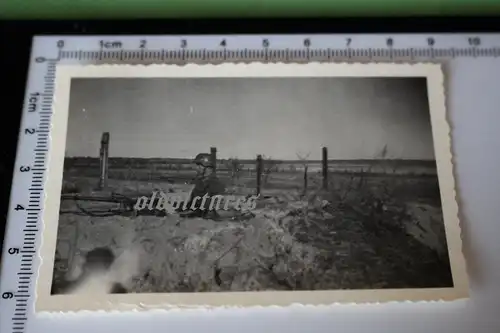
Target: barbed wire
(126, 206)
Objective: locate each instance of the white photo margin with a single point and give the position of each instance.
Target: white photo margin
(124, 302)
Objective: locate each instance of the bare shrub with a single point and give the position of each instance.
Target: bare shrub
(269, 166)
(303, 158)
(234, 165)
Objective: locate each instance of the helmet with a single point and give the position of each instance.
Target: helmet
(203, 159)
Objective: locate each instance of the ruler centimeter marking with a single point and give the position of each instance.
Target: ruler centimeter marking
(30, 205)
(24, 219)
(204, 55)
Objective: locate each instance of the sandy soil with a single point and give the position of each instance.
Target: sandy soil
(285, 245)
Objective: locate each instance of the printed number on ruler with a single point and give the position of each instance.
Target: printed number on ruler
(300, 48)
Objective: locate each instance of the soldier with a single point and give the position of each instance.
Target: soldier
(206, 185)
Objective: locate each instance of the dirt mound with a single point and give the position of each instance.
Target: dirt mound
(199, 255)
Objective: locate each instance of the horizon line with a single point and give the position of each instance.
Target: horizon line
(188, 160)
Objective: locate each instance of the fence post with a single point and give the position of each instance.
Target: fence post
(306, 185)
(324, 165)
(259, 173)
(213, 157)
(103, 160)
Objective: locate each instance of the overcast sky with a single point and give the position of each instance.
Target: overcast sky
(277, 117)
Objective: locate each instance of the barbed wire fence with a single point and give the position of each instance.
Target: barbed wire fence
(231, 168)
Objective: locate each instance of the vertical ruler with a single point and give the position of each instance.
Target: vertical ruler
(26, 201)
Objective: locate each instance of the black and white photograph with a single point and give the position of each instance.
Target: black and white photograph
(252, 184)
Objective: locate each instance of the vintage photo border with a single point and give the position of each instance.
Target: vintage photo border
(53, 183)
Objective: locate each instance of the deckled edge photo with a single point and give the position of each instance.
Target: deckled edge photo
(125, 302)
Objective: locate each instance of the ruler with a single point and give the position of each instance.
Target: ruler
(460, 52)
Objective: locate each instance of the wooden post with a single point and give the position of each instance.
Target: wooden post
(306, 185)
(324, 164)
(103, 159)
(213, 157)
(259, 173)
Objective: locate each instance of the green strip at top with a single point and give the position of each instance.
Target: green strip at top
(123, 9)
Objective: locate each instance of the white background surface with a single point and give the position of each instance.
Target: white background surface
(474, 114)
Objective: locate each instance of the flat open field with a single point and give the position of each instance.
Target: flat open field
(366, 231)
